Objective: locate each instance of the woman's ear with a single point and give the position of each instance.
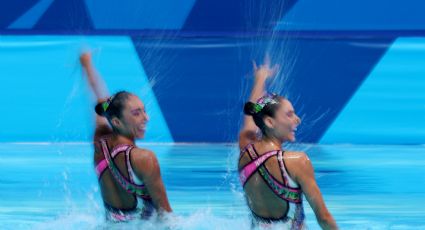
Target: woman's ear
(269, 122)
(116, 122)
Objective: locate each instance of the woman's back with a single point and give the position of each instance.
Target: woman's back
(267, 184)
(113, 193)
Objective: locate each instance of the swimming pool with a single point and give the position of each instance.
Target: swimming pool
(53, 185)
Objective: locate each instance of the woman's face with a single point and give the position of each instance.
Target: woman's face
(285, 122)
(134, 118)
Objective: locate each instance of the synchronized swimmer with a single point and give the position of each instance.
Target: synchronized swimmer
(274, 180)
(129, 177)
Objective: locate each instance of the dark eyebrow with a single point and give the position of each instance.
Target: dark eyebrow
(138, 109)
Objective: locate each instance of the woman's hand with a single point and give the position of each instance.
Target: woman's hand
(85, 59)
(95, 81)
(264, 71)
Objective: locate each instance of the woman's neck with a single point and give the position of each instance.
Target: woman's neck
(271, 141)
(123, 139)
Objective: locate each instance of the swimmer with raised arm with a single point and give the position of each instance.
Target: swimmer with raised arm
(129, 177)
(275, 180)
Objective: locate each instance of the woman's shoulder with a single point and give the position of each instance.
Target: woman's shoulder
(142, 151)
(101, 137)
(297, 163)
(296, 160)
(144, 161)
(296, 155)
(142, 154)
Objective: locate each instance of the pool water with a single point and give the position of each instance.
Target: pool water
(53, 185)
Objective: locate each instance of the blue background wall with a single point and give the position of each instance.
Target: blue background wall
(355, 71)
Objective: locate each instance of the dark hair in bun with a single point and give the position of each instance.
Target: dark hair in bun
(114, 105)
(249, 109)
(99, 109)
(268, 110)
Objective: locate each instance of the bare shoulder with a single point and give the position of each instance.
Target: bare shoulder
(296, 157)
(246, 137)
(145, 161)
(298, 164)
(243, 158)
(143, 155)
(101, 131)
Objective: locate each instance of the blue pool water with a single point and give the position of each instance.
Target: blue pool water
(53, 186)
